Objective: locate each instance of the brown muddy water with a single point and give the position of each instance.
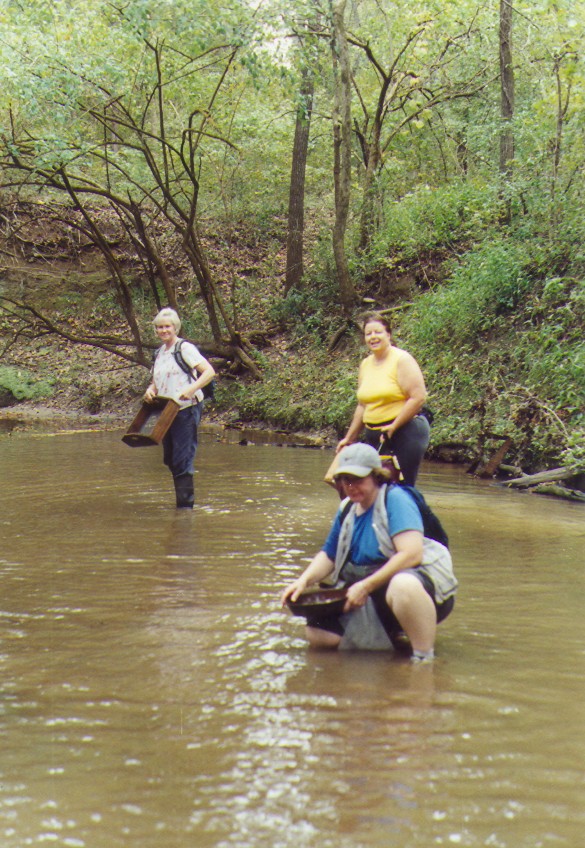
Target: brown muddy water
(154, 694)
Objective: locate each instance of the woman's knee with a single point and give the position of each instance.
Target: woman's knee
(406, 589)
(319, 638)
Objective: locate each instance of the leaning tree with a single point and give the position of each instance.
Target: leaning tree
(132, 141)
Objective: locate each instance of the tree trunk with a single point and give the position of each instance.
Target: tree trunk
(506, 97)
(562, 107)
(200, 268)
(368, 224)
(341, 151)
(296, 203)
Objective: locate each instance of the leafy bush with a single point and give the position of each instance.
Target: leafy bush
(305, 313)
(574, 454)
(318, 392)
(489, 282)
(429, 218)
(19, 385)
(502, 351)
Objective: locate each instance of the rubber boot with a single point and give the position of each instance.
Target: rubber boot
(184, 491)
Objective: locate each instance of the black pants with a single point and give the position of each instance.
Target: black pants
(180, 443)
(408, 444)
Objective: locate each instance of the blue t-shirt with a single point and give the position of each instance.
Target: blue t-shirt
(403, 514)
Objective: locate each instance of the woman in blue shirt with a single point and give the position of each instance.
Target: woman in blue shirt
(398, 580)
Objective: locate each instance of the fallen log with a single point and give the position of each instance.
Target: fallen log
(512, 470)
(553, 490)
(555, 475)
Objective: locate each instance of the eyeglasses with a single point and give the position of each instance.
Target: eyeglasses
(348, 479)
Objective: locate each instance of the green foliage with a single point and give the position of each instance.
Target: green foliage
(298, 308)
(574, 454)
(489, 282)
(509, 358)
(449, 214)
(316, 392)
(341, 398)
(22, 385)
(308, 314)
(553, 351)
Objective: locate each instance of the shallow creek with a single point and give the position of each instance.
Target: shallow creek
(154, 694)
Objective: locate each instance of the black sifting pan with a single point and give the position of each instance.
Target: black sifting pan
(318, 602)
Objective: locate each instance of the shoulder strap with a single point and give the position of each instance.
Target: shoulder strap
(345, 511)
(180, 360)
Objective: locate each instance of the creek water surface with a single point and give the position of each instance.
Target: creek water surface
(154, 694)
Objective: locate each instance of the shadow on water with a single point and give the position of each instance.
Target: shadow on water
(153, 693)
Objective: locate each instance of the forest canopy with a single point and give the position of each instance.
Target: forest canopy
(427, 160)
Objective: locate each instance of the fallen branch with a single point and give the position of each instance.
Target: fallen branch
(512, 470)
(555, 475)
(553, 490)
(37, 324)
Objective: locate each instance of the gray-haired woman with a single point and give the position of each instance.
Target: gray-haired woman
(171, 381)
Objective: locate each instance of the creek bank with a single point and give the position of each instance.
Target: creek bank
(38, 418)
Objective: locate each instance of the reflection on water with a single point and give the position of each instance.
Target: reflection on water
(154, 694)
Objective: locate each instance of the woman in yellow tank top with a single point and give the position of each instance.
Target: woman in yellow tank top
(391, 394)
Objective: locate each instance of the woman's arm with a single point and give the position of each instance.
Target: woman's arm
(409, 552)
(319, 567)
(355, 428)
(204, 372)
(411, 381)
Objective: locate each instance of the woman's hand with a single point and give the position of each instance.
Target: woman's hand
(150, 393)
(388, 431)
(357, 595)
(355, 428)
(293, 590)
(188, 394)
(317, 570)
(342, 443)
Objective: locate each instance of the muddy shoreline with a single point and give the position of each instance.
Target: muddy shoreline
(28, 417)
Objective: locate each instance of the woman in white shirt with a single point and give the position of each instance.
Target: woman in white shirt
(171, 381)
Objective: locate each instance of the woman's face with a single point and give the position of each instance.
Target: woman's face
(377, 337)
(166, 332)
(360, 490)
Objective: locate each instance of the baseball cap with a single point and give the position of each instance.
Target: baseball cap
(358, 460)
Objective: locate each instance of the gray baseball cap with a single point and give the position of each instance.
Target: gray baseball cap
(359, 460)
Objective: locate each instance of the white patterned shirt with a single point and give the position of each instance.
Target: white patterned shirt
(168, 376)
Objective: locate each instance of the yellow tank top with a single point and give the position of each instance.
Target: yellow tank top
(378, 389)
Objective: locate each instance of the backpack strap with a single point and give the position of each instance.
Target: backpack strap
(346, 508)
(209, 389)
(180, 359)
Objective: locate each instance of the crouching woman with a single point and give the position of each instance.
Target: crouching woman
(399, 582)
